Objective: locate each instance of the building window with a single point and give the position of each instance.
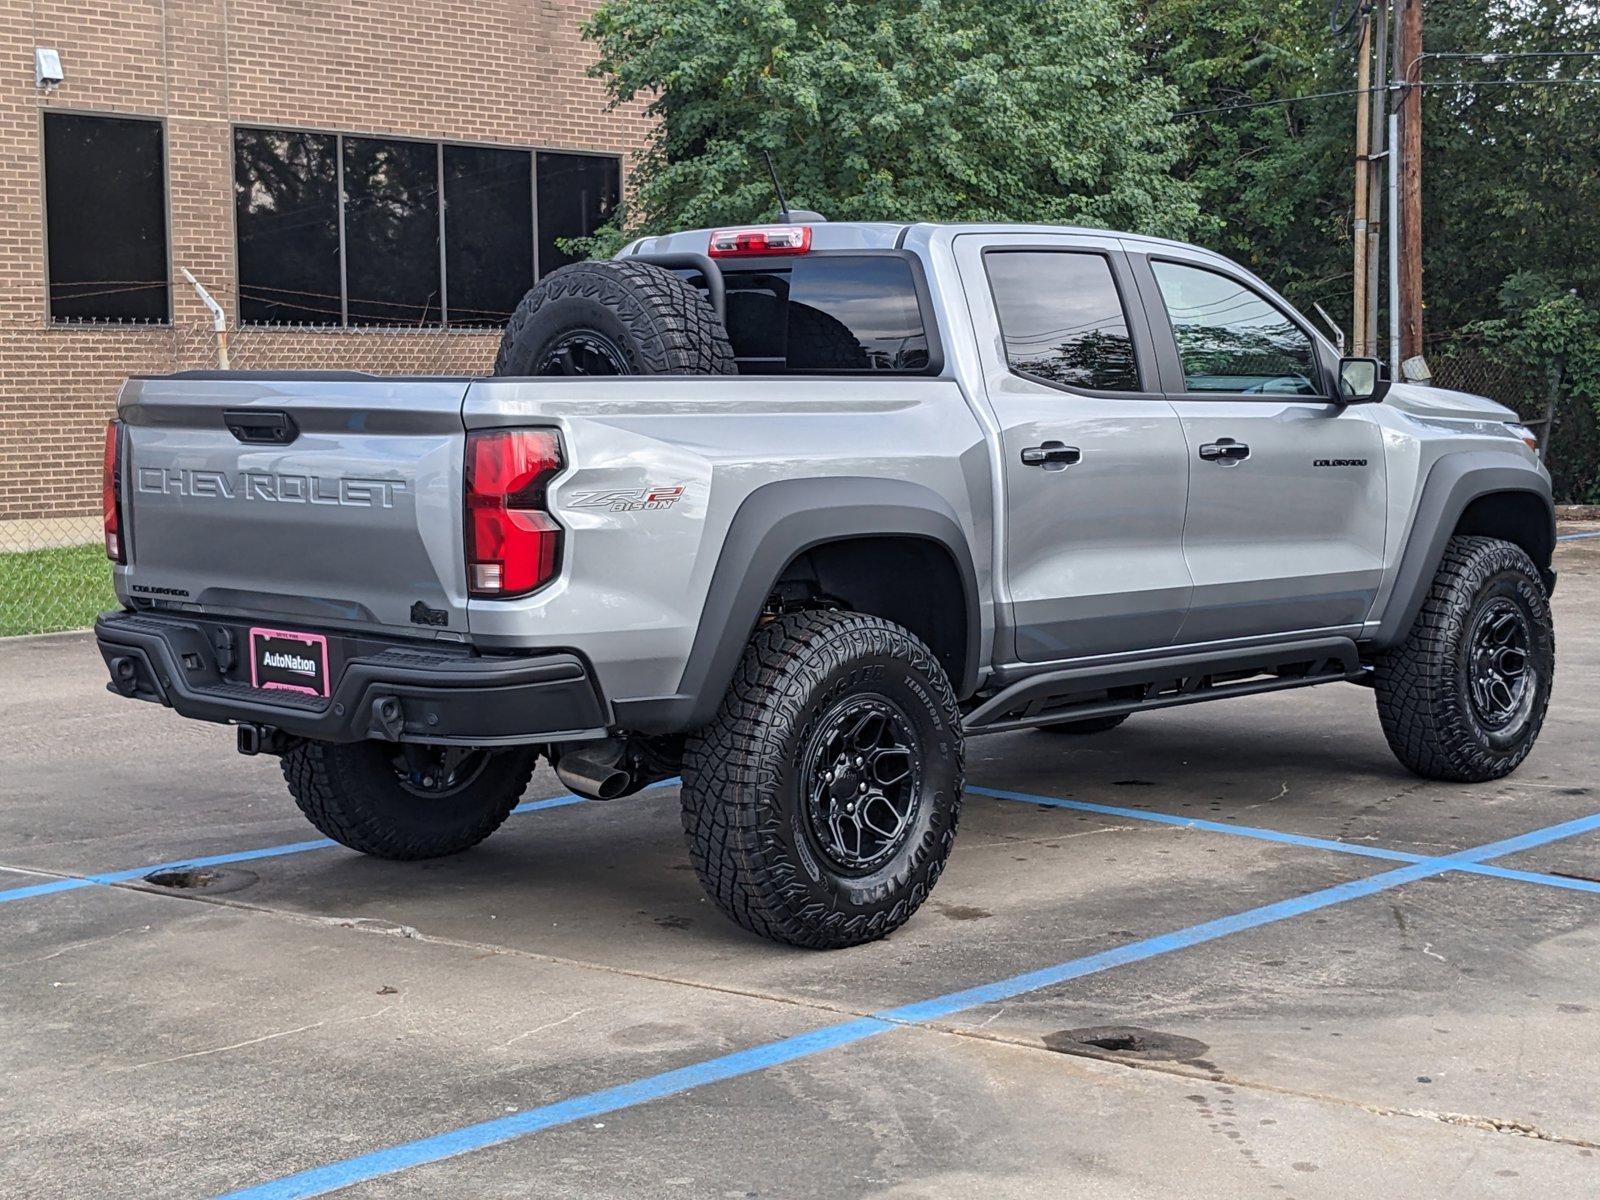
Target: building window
(488, 231)
(286, 196)
(426, 234)
(391, 232)
(105, 218)
(577, 195)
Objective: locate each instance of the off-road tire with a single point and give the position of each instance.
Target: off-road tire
(353, 795)
(1424, 684)
(744, 808)
(1087, 725)
(660, 324)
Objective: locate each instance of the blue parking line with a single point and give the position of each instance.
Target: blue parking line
(1573, 537)
(217, 860)
(334, 1176)
(1291, 839)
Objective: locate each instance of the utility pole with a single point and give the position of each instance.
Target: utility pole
(1372, 67)
(1358, 311)
(1408, 73)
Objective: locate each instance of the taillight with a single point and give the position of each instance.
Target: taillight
(774, 239)
(111, 493)
(513, 544)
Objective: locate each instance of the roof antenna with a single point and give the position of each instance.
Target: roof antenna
(786, 215)
(783, 204)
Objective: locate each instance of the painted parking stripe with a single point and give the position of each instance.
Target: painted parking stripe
(1289, 839)
(218, 860)
(334, 1176)
(1573, 537)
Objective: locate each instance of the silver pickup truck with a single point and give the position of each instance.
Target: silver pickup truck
(790, 511)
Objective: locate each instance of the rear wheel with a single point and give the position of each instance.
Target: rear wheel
(405, 801)
(821, 803)
(614, 318)
(1464, 696)
(1087, 725)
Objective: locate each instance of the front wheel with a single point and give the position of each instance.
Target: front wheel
(405, 801)
(821, 803)
(1464, 696)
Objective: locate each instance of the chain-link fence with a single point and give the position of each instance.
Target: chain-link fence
(1567, 425)
(60, 387)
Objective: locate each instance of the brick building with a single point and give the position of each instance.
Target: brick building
(363, 184)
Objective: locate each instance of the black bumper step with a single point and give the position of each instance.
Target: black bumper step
(394, 692)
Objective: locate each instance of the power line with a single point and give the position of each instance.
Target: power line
(1426, 83)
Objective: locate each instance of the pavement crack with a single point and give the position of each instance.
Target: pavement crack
(71, 946)
(255, 1041)
(1185, 1071)
(527, 1033)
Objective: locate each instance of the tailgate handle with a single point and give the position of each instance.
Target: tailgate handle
(261, 427)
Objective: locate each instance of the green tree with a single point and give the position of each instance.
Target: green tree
(932, 110)
(1276, 179)
(1511, 171)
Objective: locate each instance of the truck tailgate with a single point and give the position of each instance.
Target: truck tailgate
(326, 499)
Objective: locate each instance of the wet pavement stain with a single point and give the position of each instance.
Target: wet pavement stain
(1129, 1043)
(214, 881)
(962, 912)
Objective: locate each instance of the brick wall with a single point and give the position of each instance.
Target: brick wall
(505, 71)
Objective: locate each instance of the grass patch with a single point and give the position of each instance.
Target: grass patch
(45, 591)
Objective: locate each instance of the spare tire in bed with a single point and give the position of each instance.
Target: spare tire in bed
(614, 317)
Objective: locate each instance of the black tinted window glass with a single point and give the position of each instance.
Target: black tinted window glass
(758, 322)
(1062, 320)
(286, 197)
(488, 232)
(391, 230)
(1230, 338)
(577, 195)
(106, 222)
(828, 313)
(855, 313)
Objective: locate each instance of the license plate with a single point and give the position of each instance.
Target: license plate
(289, 661)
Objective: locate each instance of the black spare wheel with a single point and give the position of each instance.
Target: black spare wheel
(614, 317)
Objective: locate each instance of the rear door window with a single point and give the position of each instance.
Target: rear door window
(828, 313)
(1061, 318)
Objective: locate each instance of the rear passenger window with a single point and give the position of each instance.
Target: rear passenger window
(825, 313)
(1230, 338)
(1061, 318)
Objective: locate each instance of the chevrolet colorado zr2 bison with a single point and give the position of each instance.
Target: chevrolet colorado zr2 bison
(790, 511)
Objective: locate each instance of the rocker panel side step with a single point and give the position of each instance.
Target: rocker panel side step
(1076, 693)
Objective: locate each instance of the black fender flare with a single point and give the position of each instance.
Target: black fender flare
(775, 524)
(1454, 482)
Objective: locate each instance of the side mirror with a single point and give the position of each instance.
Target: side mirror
(1361, 381)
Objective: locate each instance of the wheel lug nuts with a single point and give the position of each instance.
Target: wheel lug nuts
(860, 761)
(863, 787)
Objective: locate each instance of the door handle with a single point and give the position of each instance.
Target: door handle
(261, 427)
(1225, 451)
(1052, 456)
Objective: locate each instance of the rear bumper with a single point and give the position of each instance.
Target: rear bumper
(390, 690)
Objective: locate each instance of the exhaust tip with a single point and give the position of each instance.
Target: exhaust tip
(595, 772)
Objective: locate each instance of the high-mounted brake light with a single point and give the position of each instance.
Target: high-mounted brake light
(773, 239)
(111, 493)
(513, 543)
